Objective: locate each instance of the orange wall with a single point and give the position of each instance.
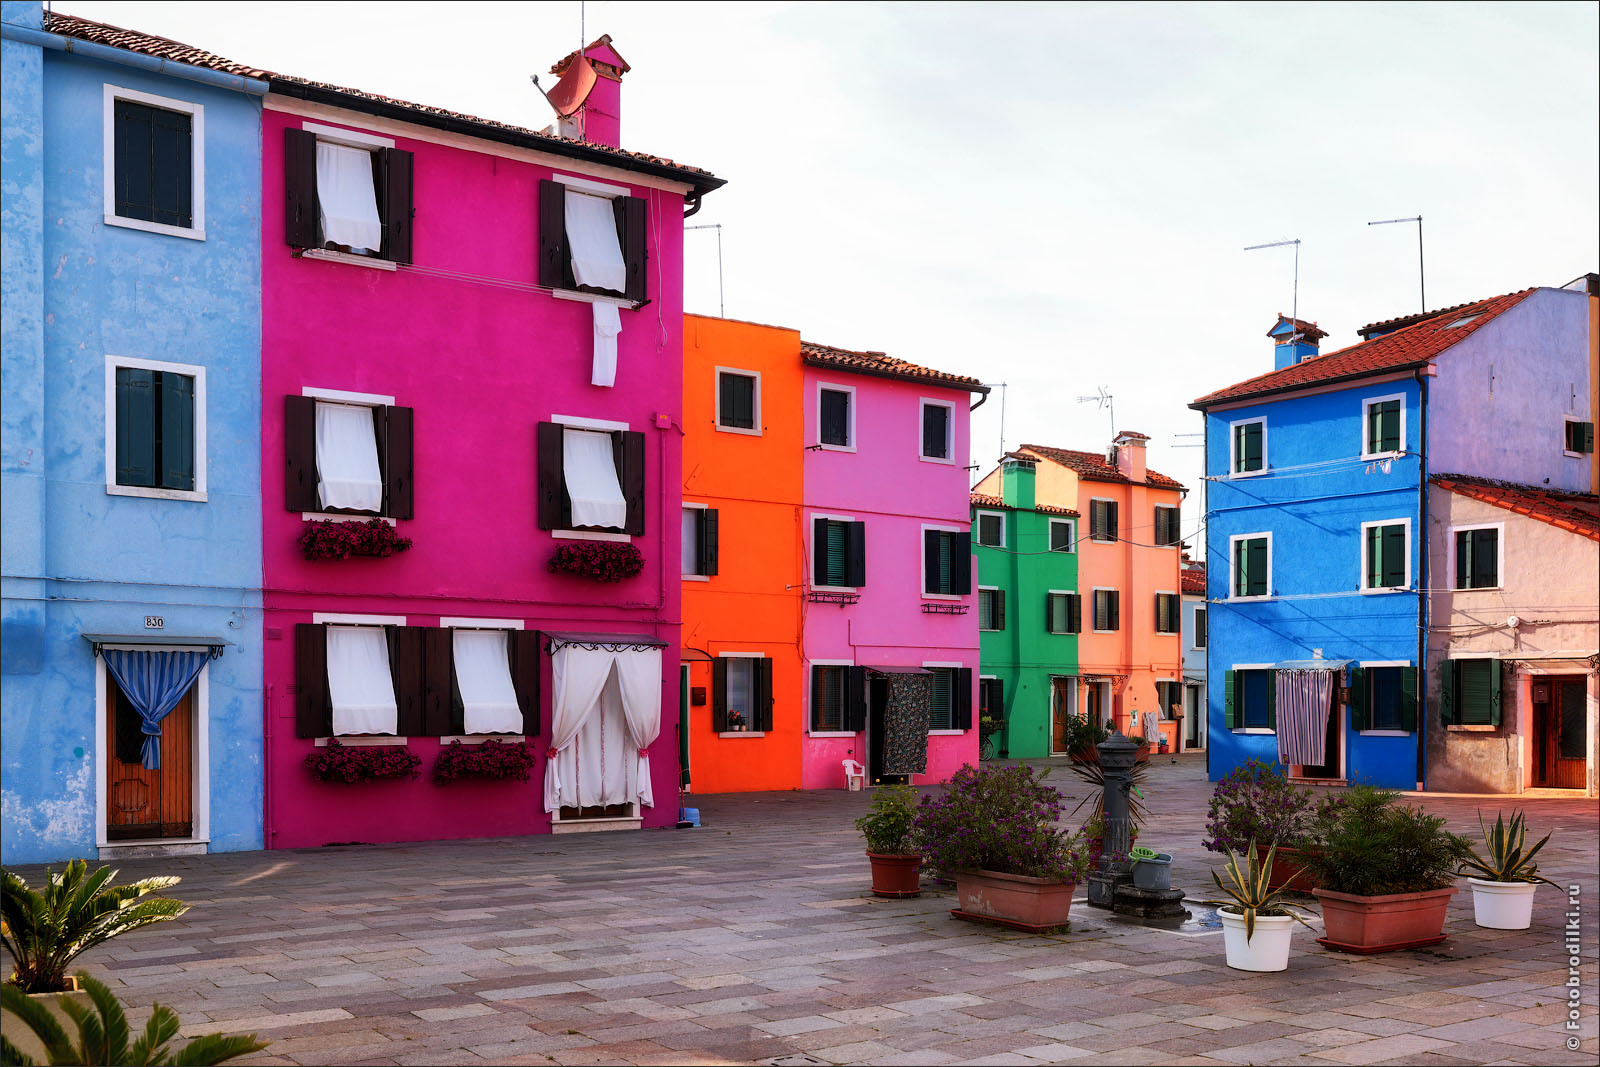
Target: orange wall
(753, 602)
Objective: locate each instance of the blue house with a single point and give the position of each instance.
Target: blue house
(130, 629)
(1318, 517)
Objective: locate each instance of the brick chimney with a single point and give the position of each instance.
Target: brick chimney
(599, 120)
(1294, 341)
(1129, 447)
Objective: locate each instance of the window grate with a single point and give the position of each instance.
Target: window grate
(944, 609)
(820, 597)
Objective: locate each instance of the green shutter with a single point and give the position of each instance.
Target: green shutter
(1494, 692)
(1476, 692)
(1374, 434)
(946, 577)
(1272, 700)
(136, 426)
(1258, 567)
(1359, 700)
(836, 553)
(1447, 692)
(1252, 446)
(1408, 699)
(177, 431)
(1464, 561)
(1394, 556)
(1587, 444)
(1485, 558)
(940, 716)
(1230, 703)
(1374, 557)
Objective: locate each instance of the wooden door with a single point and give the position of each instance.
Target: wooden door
(1562, 732)
(142, 804)
(1060, 709)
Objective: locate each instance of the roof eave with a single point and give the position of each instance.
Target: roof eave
(701, 182)
(917, 379)
(1203, 403)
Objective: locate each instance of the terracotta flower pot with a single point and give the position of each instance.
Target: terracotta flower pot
(25, 1040)
(1383, 923)
(896, 875)
(1014, 900)
(1289, 870)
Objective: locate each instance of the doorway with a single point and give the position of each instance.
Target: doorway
(1332, 766)
(877, 705)
(1560, 731)
(1192, 711)
(142, 804)
(1063, 707)
(683, 727)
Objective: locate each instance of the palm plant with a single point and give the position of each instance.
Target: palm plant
(44, 930)
(1095, 776)
(1248, 891)
(103, 1034)
(1503, 859)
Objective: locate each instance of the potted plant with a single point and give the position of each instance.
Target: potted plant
(1503, 898)
(361, 763)
(993, 830)
(490, 759)
(1144, 746)
(1384, 874)
(891, 848)
(103, 1032)
(1080, 737)
(735, 720)
(1256, 923)
(602, 561)
(1255, 802)
(335, 539)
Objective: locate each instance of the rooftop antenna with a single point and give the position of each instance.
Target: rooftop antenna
(1294, 307)
(1103, 400)
(1422, 278)
(722, 311)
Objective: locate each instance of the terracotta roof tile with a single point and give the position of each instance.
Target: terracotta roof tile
(880, 365)
(1193, 579)
(1092, 467)
(984, 500)
(1578, 512)
(1407, 347)
(151, 45)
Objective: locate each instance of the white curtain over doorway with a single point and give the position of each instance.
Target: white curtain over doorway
(606, 712)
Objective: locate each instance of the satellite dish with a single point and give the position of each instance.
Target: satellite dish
(576, 83)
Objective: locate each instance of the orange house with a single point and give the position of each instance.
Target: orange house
(742, 553)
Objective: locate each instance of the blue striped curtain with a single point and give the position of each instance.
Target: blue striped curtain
(154, 682)
(1304, 700)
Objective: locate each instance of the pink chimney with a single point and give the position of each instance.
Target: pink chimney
(1129, 445)
(599, 119)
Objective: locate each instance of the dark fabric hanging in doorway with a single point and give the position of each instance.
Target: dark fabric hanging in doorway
(905, 724)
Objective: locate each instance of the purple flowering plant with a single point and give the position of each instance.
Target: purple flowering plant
(491, 759)
(360, 763)
(602, 561)
(1000, 819)
(1256, 802)
(332, 539)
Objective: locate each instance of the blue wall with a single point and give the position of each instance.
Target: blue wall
(77, 559)
(1313, 499)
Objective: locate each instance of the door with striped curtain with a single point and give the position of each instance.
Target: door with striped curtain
(143, 804)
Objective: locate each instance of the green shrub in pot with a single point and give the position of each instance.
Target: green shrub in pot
(1378, 847)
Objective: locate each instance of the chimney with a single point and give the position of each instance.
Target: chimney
(1017, 473)
(1294, 341)
(599, 119)
(1129, 446)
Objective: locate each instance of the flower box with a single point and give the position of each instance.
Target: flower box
(1014, 900)
(1383, 923)
(332, 539)
(600, 561)
(491, 759)
(361, 763)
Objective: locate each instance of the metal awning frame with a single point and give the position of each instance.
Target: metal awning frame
(215, 646)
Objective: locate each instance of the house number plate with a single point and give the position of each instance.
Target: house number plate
(154, 622)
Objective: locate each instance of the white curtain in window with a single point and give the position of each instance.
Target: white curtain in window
(346, 197)
(689, 551)
(577, 677)
(592, 235)
(639, 677)
(347, 458)
(607, 326)
(483, 674)
(591, 475)
(600, 767)
(359, 681)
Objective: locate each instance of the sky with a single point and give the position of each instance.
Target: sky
(1053, 197)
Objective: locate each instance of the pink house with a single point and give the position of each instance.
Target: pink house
(890, 627)
(471, 335)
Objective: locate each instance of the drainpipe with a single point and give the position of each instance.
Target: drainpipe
(1205, 524)
(1424, 539)
(137, 60)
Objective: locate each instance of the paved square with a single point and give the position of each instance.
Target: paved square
(753, 939)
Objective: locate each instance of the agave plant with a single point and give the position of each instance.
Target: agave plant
(44, 930)
(1503, 859)
(103, 1034)
(1248, 891)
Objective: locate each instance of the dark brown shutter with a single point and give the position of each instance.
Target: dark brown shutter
(819, 551)
(555, 258)
(856, 548)
(719, 695)
(553, 504)
(300, 454)
(438, 655)
(855, 699)
(630, 475)
(999, 609)
(710, 537)
(406, 665)
(930, 561)
(380, 433)
(961, 698)
(1074, 613)
(763, 712)
(313, 709)
(399, 464)
(961, 563)
(524, 651)
(397, 167)
(1114, 609)
(632, 212)
(300, 220)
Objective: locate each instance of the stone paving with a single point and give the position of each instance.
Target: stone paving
(753, 940)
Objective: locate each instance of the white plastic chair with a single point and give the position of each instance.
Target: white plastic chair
(855, 775)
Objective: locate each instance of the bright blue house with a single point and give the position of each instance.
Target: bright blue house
(130, 630)
(1317, 475)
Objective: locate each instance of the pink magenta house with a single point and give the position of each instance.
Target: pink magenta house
(890, 627)
(471, 343)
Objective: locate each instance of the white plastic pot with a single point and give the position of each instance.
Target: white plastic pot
(1268, 947)
(1502, 905)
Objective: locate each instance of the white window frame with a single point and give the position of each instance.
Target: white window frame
(929, 665)
(977, 526)
(1364, 664)
(1567, 420)
(850, 423)
(809, 695)
(745, 655)
(581, 422)
(1366, 412)
(337, 618)
(1451, 563)
(692, 506)
(198, 373)
(978, 592)
(1105, 500)
(922, 560)
(1094, 629)
(367, 400)
(1361, 578)
(811, 541)
(755, 404)
(1233, 460)
(197, 162)
(1157, 621)
(949, 457)
(454, 623)
(1233, 541)
(1058, 633)
(1072, 536)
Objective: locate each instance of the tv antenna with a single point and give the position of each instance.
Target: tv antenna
(722, 311)
(1294, 307)
(1422, 278)
(1103, 401)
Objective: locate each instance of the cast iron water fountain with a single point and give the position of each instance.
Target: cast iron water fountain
(1112, 885)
